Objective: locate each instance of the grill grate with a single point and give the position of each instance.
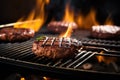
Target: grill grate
(101, 43)
(20, 54)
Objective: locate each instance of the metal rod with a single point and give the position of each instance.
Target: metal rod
(101, 49)
(106, 54)
(68, 61)
(58, 62)
(80, 53)
(81, 57)
(115, 66)
(84, 60)
(18, 23)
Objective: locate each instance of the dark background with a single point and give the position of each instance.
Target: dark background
(12, 10)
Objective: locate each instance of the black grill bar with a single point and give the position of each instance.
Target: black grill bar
(101, 43)
(57, 63)
(108, 55)
(84, 60)
(107, 52)
(81, 59)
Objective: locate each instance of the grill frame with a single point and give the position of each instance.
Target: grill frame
(55, 70)
(58, 72)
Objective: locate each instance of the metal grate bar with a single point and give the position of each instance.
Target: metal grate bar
(84, 60)
(108, 55)
(101, 43)
(57, 63)
(71, 60)
(80, 59)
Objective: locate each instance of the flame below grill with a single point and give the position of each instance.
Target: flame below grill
(20, 54)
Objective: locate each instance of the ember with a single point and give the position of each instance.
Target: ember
(107, 60)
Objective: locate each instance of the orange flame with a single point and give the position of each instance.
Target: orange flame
(46, 78)
(68, 32)
(85, 22)
(69, 14)
(22, 78)
(90, 19)
(108, 21)
(79, 20)
(36, 18)
(107, 60)
(68, 17)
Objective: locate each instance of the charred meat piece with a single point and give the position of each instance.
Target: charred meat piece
(55, 48)
(105, 31)
(60, 26)
(15, 34)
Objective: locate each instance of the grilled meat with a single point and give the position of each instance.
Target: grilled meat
(55, 48)
(60, 26)
(105, 32)
(15, 34)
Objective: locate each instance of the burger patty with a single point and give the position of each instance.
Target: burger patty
(60, 26)
(15, 34)
(105, 31)
(55, 48)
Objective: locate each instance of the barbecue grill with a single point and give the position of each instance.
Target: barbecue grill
(20, 55)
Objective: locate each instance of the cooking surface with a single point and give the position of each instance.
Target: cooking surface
(20, 54)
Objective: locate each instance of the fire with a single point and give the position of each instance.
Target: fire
(90, 19)
(69, 14)
(68, 17)
(108, 21)
(22, 78)
(36, 18)
(86, 22)
(107, 60)
(46, 78)
(68, 32)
